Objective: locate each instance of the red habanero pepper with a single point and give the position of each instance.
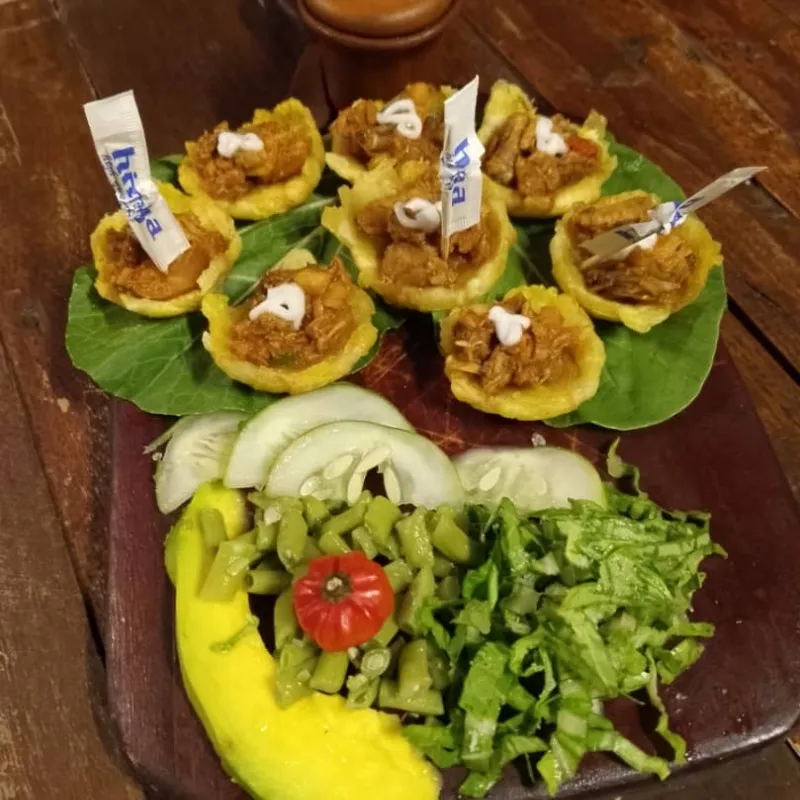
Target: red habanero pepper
(343, 601)
(583, 147)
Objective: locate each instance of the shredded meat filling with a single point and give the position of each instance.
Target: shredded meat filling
(286, 147)
(269, 341)
(656, 276)
(133, 272)
(356, 132)
(544, 355)
(513, 160)
(413, 258)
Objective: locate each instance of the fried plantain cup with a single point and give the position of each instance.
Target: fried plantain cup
(285, 379)
(385, 181)
(210, 218)
(348, 159)
(507, 99)
(547, 399)
(260, 197)
(640, 317)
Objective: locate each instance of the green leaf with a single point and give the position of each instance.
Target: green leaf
(486, 687)
(437, 742)
(648, 378)
(266, 242)
(676, 742)
(161, 365)
(166, 169)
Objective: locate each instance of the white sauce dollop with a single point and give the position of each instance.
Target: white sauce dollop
(403, 115)
(419, 214)
(547, 141)
(229, 143)
(508, 327)
(286, 301)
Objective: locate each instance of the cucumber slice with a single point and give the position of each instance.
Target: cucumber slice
(197, 451)
(274, 429)
(331, 462)
(533, 478)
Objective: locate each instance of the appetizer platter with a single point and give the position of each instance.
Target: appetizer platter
(396, 565)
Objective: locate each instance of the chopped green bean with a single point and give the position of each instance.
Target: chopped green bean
(413, 676)
(333, 544)
(284, 620)
(292, 538)
(239, 565)
(300, 571)
(439, 667)
(363, 541)
(220, 586)
(296, 665)
(289, 503)
(244, 544)
(312, 551)
(362, 692)
(330, 672)
(380, 518)
(375, 662)
(395, 648)
(399, 575)
(422, 588)
(260, 500)
(442, 567)
(267, 581)
(212, 524)
(266, 536)
(315, 511)
(415, 541)
(348, 519)
(387, 632)
(448, 538)
(429, 703)
(390, 548)
(449, 588)
(354, 654)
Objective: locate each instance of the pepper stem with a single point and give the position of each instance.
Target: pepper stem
(336, 587)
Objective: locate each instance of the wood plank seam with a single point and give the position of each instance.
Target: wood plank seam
(771, 350)
(540, 102)
(61, 16)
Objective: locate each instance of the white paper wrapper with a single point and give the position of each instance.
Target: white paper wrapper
(460, 168)
(666, 216)
(120, 143)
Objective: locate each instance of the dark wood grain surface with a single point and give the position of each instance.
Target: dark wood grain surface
(698, 87)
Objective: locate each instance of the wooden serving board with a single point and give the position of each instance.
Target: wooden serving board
(744, 691)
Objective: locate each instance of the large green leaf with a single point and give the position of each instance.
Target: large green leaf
(161, 365)
(650, 377)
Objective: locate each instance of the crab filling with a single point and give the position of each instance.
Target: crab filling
(328, 321)
(545, 353)
(648, 275)
(131, 270)
(357, 133)
(285, 146)
(536, 162)
(412, 256)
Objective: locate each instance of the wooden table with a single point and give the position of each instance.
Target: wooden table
(697, 87)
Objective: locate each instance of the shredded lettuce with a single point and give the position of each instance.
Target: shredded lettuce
(570, 607)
